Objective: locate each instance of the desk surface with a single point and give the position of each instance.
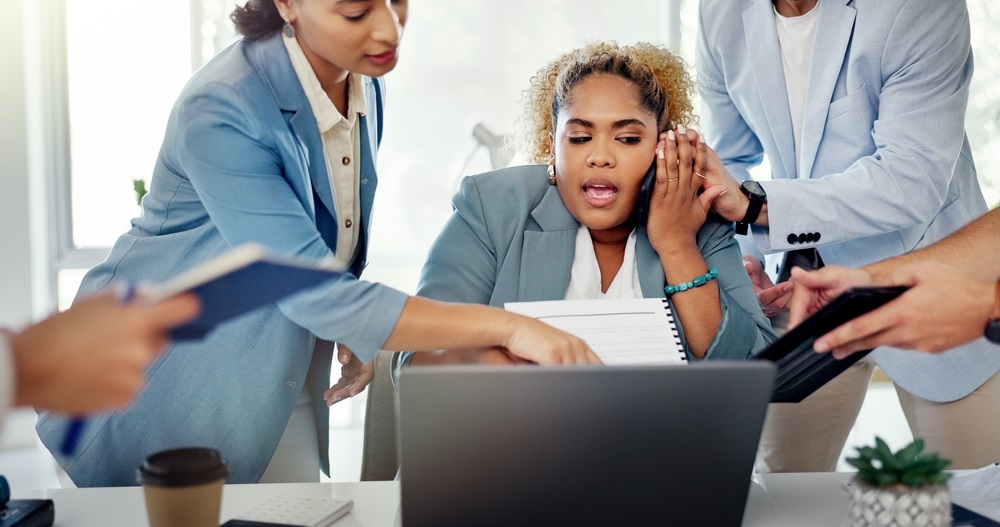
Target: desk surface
(775, 500)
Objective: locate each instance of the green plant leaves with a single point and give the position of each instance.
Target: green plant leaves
(880, 466)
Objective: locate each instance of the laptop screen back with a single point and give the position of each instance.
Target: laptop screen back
(520, 445)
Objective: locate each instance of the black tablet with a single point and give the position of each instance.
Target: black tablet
(802, 371)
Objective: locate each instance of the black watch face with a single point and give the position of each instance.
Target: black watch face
(993, 331)
(753, 189)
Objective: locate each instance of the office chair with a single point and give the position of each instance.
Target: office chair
(379, 458)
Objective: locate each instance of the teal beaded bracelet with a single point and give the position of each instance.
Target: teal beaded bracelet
(712, 274)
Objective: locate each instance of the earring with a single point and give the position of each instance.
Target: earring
(288, 30)
(552, 174)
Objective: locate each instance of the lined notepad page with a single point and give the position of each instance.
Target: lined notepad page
(621, 331)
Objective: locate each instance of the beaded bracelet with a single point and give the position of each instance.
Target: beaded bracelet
(701, 280)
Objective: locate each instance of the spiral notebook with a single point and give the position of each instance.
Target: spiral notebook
(623, 332)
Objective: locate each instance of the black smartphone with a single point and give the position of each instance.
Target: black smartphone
(645, 195)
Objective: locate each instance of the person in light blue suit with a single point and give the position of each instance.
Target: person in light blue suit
(566, 228)
(859, 107)
(274, 142)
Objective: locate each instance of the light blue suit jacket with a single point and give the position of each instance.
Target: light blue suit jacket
(241, 162)
(511, 239)
(885, 165)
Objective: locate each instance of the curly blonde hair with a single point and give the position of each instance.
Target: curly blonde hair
(660, 77)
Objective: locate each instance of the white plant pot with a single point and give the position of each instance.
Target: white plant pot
(871, 506)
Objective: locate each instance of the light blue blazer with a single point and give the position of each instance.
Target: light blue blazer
(885, 165)
(511, 239)
(241, 162)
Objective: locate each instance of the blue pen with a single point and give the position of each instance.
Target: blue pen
(125, 295)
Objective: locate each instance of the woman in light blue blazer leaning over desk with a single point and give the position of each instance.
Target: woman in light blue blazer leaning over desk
(274, 142)
(566, 229)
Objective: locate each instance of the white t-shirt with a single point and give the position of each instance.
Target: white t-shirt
(796, 36)
(585, 277)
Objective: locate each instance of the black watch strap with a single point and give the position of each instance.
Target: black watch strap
(753, 210)
(992, 332)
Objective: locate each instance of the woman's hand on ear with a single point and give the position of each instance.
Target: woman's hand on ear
(680, 202)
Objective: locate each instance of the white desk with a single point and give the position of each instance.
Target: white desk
(776, 500)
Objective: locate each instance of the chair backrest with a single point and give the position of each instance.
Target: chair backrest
(379, 458)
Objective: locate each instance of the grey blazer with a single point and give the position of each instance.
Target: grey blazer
(511, 239)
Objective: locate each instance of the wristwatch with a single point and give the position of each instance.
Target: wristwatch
(758, 198)
(993, 326)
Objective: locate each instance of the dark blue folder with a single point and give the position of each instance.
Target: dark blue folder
(239, 281)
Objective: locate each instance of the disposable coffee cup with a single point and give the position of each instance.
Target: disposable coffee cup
(183, 487)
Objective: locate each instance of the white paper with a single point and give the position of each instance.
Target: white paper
(978, 490)
(622, 332)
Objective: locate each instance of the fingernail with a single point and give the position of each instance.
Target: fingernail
(681, 129)
(344, 359)
(724, 191)
(334, 400)
(670, 135)
(821, 346)
(701, 139)
(659, 154)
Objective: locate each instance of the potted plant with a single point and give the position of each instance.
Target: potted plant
(906, 488)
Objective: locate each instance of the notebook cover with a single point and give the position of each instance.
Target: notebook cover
(962, 517)
(237, 282)
(802, 371)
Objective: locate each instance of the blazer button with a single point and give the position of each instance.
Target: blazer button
(346, 161)
(807, 237)
(793, 238)
(816, 238)
(348, 223)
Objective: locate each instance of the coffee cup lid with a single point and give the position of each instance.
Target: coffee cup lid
(182, 467)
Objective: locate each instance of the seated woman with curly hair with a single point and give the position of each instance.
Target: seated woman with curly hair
(595, 119)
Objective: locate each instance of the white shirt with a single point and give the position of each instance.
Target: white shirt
(585, 277)
(7, 379)
(341, 138)
(796, 36)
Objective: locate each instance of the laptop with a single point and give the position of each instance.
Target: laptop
(580, 445)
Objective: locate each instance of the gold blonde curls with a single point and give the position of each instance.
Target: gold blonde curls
(660, 77)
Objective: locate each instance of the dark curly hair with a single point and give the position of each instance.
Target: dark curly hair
(257, 19)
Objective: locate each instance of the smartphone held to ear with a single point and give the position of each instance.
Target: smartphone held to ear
(645, 195)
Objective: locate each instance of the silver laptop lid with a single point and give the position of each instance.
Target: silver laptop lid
(522, 445)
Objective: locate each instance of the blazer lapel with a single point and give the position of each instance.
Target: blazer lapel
(547, 255)
(369, 153)
(765, 62)
(274, 64)
(833, 36)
